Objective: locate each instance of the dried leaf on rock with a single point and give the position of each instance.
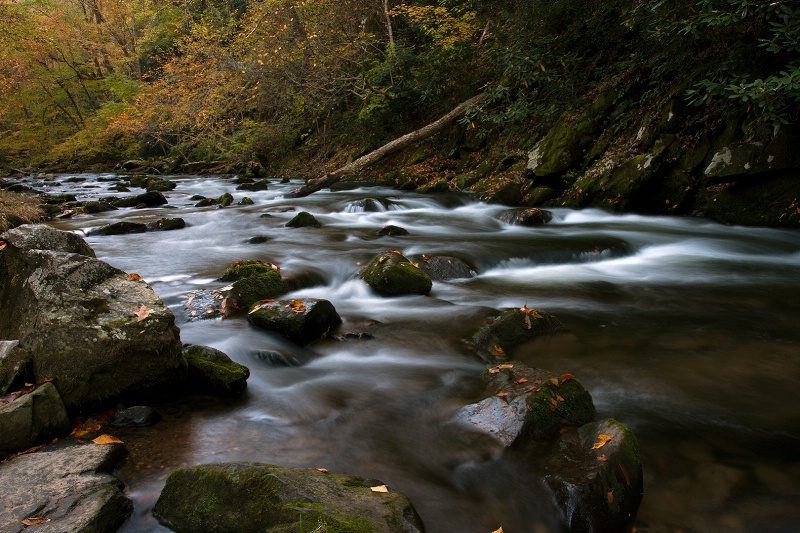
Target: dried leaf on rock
(228, 288)
(298, 306)
(567, 377)
(610, 497)
(520, 381)
(502, 394)
(135, 277)
(2, 244)
(379, 488)
(528, 322)
(106, 439)
(85, 428)
(553, 404)
(532, 388)
(498, 530)
(35, 521)
(189, 301)
(554, 381)
(142, 313)
(602, 440)
(498, 368)
(323, 470)
(498, 351)
(602, 458)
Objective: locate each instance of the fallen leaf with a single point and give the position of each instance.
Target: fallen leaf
(603, 439)
(554, 381)
(193, 313)
(379, 488)
(143, 313)
(610, 497)
(323, 470)
(135, 277)
(87, 427)
(34, 521)
(553, 404)
(559, 398)
(498, 351)
(498, 530)
(502, 394)
(228, 288)
(528, 322)
(602, 458)
(567, 377)
(106, 439)
(532, 388)
(2, 244)
(522, 380)
(625, 474)
(298, 306)
(189, 301)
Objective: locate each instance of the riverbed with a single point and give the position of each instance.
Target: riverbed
(683, 329)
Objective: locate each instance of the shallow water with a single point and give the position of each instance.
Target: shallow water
(684, 330)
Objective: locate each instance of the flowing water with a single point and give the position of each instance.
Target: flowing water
(685, 330)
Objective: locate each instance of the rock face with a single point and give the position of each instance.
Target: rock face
(71, 487)
(32, 418)
(302, 321)
(253, 497)
(83, 322)
(442, 267)
(392, 274)
(212, 371)
(511, 328)
(596, 475)
(520, 402)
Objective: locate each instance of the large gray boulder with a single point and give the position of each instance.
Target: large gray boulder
(262, 498)
(31, 418)
(69, 490)
(97, 331)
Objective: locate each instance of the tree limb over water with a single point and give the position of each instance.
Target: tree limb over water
(389, 148)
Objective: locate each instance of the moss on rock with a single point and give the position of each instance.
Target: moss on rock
(211, 370)
(392, 274)
(304, 219)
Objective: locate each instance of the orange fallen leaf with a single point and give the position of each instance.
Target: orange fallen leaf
(603, 439)
(602, 458)
(106, 439)
(35, 521)
(498, 351)
(528, 322)
(559, 398)
(502, 394)
(532, 388)
(142, 313)
(379, 488)
(553, 404)
(610, 497)
(567, 377)
(87, 427)
(554, 381)
(189, 301)
(323, 470)
(2, 244)
(520, 381)
(228, 288)
(135, 277)
(498, 530)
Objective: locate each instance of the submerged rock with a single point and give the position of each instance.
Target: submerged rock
(137, 416)
(511, 328)
(70, 488)
(212, 371)
(302, 321)
(596, 475)
(442, 267)
(392, 274)
(263, 498)
(392, 231)
(98, 332)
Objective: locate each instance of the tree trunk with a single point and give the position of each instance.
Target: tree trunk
(396, 145)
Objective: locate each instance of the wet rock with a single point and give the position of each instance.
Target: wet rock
(246, 201)
(521, 403)
(212, 371)
(137, 416)
(225, 200)
(119, 228)
(511, 328)
(392, 231)
(302, 321)
(97, 207)
(118, 187)
(258, 185)
(166, 224)
(71, 487)
(83, 322)
(255, 497)
(205, 202)
(304, 219)
(737, 160)
(525, 217)
(32, 418)
(159, 185)
(369, 205)
(392, 274)
(443, 268)
(149, 199)
(254, 281)
(258, 239)
(133, 164)
(303, 280)
(598, 487)
(274, 358)
(207, 304)
(53, 199)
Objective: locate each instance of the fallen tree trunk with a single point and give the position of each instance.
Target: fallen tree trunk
(396, 145)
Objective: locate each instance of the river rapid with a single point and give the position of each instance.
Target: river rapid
(685, 330)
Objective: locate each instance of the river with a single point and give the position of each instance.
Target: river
(683, 329)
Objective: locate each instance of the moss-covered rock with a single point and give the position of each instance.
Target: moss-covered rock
(521, 403)
(442, 267)
(392, 274)
(166, 224)
(502, 188)
(96, 207)
(225, 200)
(258, 185)
(246, 201)
(212, 371)
(530, 216)
(302, 321)
(596, 475)
(119, 228)
(511, 328)
(159, 184)
(262, 498)
(304, 219)
(253, 281)
(150, 199)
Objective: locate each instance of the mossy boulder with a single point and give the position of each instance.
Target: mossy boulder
(521, 403)
(150, 199)
(166, 224)
(258, 185)
(304, 219)
(159, 184)
(99, 333)
(739, 159)
(263, 498)
(442, 267)
(511, 328)
(35, 417)
(225, 200)
(205, 202)
(246, 201)
(530, 216)
(253, 281)
(502, 188)
(96, 207)
(119, 228)
(392, 231)
(212, 371)
(302, 321)
(595, 473)
(392, 274)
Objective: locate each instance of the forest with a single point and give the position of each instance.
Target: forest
(288, 84)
